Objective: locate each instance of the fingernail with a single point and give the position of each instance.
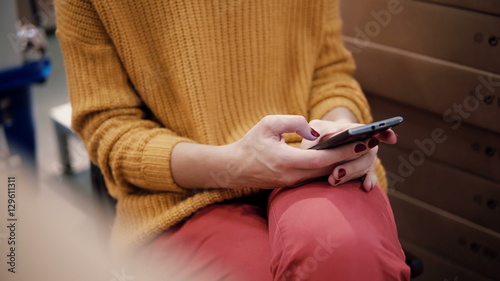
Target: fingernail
(373, 142)
(314, 133)
(337, 182)
(360, 147)
(341, 173)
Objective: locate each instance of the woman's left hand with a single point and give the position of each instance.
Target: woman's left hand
(361, 167)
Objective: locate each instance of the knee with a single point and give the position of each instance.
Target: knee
(319, 232)
(328, 246)
(322, 240)
(313, 257)
(311, 246)
(340, 254)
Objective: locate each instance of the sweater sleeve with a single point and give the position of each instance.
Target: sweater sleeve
(333, 85)
(132, 150)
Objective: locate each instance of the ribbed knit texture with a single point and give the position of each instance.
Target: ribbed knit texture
(146, 75)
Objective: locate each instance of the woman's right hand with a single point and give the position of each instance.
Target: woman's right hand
(261, 159)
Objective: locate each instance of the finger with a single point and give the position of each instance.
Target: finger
(370, 143)
(275, 125)
(370, 180)
(388, 136)
(303, 176)
(317, 159)
(373, 142)
(354, 169)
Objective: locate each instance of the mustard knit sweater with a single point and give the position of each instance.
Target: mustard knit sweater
(146, 75)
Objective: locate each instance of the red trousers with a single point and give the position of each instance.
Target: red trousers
(314, 232)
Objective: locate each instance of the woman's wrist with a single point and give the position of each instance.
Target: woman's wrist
(199, 166)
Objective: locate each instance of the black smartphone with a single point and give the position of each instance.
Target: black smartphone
(358, 133)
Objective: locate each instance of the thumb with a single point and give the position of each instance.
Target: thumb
(275, 125)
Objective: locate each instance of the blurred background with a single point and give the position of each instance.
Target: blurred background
(434, 62)
(437, 64)
(61, 229)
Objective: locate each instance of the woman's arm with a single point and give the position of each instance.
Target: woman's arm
(131, 150)
(261, 159)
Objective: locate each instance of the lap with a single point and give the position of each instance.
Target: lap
(320, 206)
(315, 224)
(227, 241)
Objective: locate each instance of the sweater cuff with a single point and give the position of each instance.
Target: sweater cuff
(323, 107)
(155, 166)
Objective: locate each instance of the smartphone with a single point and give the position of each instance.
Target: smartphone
(358, 133)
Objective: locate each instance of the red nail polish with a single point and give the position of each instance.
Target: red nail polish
(373, 142)
(360, 147)
(341, 173)
(314, 133)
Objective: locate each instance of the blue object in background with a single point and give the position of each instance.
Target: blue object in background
(16, 107)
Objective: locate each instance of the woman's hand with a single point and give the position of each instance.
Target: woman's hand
(359, 166)
(261, 159)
